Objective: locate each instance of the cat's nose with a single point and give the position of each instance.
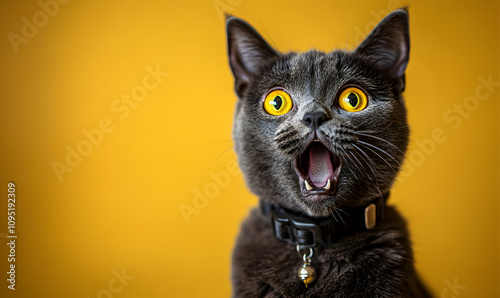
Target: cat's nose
(314, 119)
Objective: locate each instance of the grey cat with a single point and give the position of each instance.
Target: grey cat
(320, 138)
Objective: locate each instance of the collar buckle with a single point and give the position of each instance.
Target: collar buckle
(297, 230)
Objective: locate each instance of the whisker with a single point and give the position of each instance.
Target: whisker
(360, 163)
(333, 215)
(351, 170)
(220, 142)
(381, 150)
(368, 160)
(223, 152)
(353, 156)
(373, 171)
(356, 162)
(380, 139)
(342, 211)
(339, 216)
(381, 158)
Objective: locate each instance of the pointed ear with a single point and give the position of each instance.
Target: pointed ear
(389, 44)
(247, 52)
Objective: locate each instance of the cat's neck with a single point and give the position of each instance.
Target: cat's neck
(319, 233)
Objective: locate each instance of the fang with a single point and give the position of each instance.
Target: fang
(327, 186)
(308, 187)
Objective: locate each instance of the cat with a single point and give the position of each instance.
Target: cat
(320, 138)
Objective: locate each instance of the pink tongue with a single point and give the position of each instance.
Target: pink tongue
(320, 164)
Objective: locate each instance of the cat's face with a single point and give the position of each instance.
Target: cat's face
(317, 132)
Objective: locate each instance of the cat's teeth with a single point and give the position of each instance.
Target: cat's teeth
(308, 187)
(328, 184)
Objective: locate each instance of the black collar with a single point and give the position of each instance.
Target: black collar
(320, 233)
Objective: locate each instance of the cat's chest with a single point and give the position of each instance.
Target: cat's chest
(268, 260)
(274, 264)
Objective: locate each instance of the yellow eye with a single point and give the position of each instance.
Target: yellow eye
(278, 102)
(353, 99)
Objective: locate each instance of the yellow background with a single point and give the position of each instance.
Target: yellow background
(119, 207)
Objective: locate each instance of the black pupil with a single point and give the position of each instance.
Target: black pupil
(353, 99)
(277, 102)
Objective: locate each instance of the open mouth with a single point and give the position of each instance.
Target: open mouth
(318, 169)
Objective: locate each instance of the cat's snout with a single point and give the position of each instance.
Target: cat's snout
(314, 119)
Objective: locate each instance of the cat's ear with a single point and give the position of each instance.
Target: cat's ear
(247, 52)
(389, 44)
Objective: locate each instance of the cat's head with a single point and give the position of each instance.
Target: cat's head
(316, 132)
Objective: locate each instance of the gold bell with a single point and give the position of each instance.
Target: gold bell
(307, 274)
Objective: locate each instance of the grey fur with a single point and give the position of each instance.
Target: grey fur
(371, 144)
